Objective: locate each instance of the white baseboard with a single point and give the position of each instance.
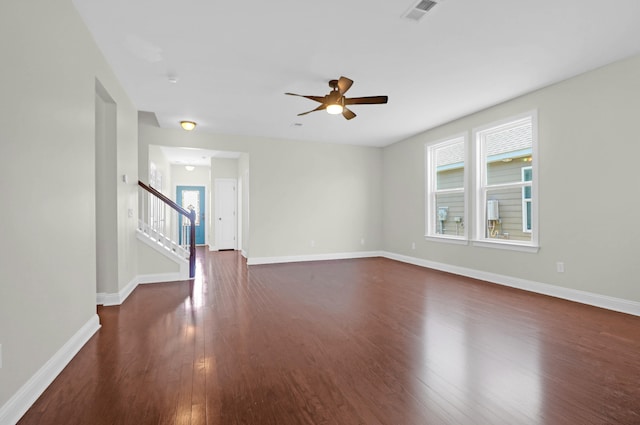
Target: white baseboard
(22, 400)
(108, 299)
(163, 277)
(104, 298)
(589, 298)
(244, 253)
(215, 248)
(584, 297)
(315, 257)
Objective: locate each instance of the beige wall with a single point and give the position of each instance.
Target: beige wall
(152, 262)
(106, 183)
(200, 176)
(48, 267)
(222, 168)
(243, 184)
(298, 191)
(162, 166)
(588, 150)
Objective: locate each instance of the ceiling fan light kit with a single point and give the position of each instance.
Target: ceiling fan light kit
(335, 102)
(335, 109)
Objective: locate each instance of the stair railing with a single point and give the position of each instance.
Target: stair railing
(164, 221)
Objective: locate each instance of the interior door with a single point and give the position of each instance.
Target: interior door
(192, 197)
(225, 209)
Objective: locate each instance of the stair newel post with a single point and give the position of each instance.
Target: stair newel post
(192, 246)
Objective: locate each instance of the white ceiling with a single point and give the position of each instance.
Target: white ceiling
(195, 156)
(234, 59)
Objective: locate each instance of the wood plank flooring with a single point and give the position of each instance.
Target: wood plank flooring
(366, 341)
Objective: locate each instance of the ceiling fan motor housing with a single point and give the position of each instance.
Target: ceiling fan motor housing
(335, 98)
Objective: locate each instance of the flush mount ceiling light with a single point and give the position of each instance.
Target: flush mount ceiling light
(189, 167)
(188, 125)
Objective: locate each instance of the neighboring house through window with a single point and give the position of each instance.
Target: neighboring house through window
(505, 182)
(446, 199)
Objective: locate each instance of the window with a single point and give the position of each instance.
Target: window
(501, 211)
(527, 173)
(446, 199)
(505, 182)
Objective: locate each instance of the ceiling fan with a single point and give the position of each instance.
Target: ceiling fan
(336, 103)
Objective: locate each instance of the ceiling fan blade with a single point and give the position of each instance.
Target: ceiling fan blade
(348, 113)
(344, 84)
(316, 98)
(369, 100)
(319, 108)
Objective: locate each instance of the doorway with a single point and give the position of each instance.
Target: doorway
(191, 198)
(225, 209)
(106, 191)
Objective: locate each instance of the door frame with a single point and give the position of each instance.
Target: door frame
(203, 206)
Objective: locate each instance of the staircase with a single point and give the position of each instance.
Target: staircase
(165, 223)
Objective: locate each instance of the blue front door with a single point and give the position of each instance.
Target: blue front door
(192, 198)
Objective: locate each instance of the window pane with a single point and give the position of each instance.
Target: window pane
(509, 213)
(506, 152)
(445, 162)
(450, 222)
(450, 166)
(191, 201)
(450, 179)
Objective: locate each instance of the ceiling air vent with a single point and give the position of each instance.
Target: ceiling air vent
(417, 11)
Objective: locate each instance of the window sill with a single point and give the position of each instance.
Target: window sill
(447, 239)
(502, 244)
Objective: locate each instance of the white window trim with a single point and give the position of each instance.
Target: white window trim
(506, 244)
(452, 239)
(430, 189)
(526, 200)
(479, 209)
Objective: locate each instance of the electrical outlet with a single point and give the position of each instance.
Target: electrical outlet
(362, 241)
(560, 267)
(313, 243)
(413, 245)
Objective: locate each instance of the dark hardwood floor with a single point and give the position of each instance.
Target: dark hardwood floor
(367, 341)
